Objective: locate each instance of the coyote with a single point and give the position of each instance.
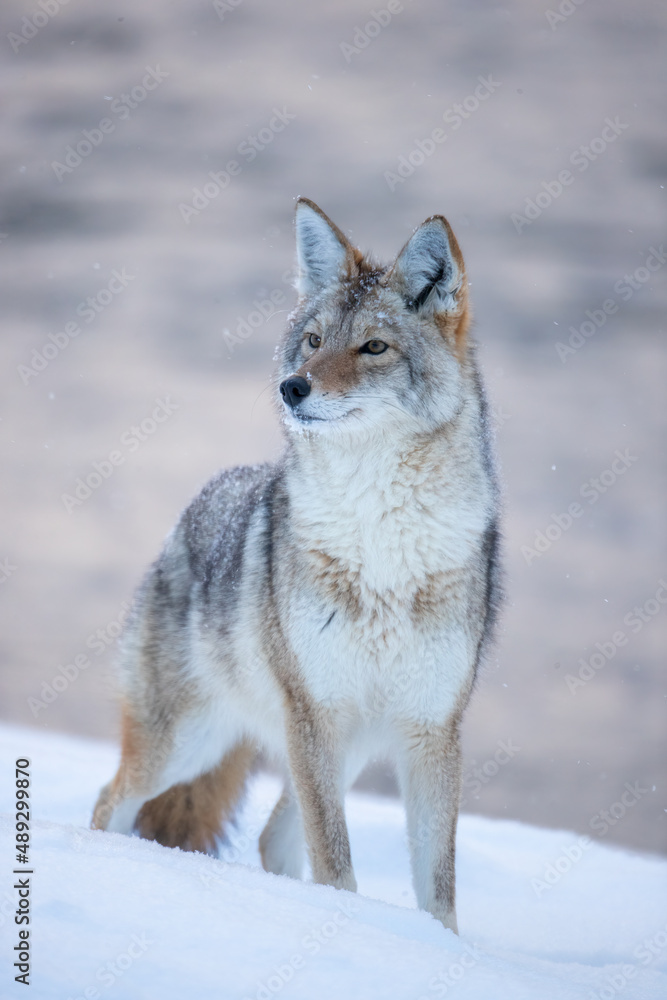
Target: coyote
(334, 606)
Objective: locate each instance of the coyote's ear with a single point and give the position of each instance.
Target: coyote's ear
(429, 273)
(324, 255)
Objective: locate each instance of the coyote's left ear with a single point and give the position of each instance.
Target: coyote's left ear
(429, 274)
(324, 254)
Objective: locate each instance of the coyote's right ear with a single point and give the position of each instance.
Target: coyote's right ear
(429, 275)
(324, 254)
(429, 271)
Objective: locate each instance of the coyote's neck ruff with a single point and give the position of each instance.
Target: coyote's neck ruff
(392, 507)
(334, 606)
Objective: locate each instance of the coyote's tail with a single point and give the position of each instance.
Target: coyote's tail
(192, 815)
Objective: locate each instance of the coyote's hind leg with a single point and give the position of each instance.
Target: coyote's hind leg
(144, 754)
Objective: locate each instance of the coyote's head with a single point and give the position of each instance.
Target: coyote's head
(370, 347)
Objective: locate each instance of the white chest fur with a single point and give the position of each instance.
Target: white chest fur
(379, 527)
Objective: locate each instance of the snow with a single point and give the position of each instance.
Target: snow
(117, 917)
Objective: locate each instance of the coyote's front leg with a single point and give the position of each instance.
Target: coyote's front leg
(315, 749)
(430, 777)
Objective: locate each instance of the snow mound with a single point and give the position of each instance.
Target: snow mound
(542, 914)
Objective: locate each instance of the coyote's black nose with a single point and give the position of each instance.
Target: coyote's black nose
(293, 390)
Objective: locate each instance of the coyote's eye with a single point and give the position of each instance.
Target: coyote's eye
(373, 347)
(314, 340)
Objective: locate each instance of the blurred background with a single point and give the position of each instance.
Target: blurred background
(152, 152)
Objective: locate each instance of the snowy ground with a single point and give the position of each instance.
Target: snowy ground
(541, 914)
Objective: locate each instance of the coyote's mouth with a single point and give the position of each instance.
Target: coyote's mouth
(306, 418)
